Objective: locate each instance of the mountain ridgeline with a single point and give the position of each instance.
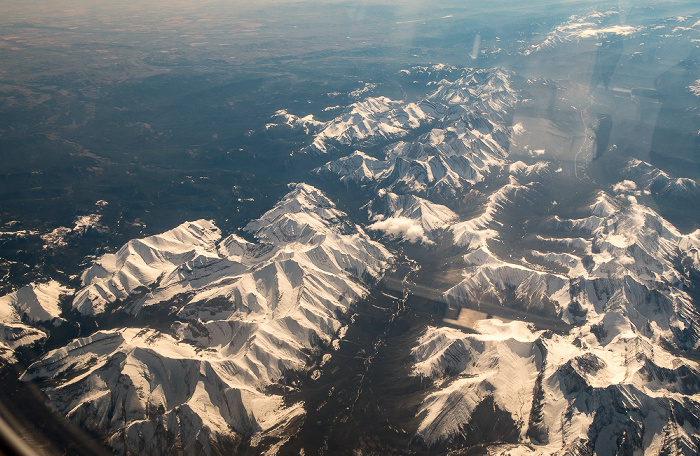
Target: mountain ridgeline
(551, 310)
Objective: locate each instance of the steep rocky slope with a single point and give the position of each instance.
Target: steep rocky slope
(243, 313)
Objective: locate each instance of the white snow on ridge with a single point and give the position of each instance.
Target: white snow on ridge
(301, 214)
(519, 168)
(474, 233)
(655, 180)
(690, 246)
(307, 124)
(408, 216)
(577, 30)
(252, 306)
(247, 311)
(501, 364)
(375, 118)
(611, 276)
(16, 335)
(695, 88)
(444, 162)
(582, 388)
(467, 140)
(631, 251)
(357, 167)
(440, 162)
(593, 25)
(30, 304)
(382, 119)
(82, 225)
(141, 262)
(369, 120)
(35, 302)
(146, 387)
(559, 389)
(493, 282)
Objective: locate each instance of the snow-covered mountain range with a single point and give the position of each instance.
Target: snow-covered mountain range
(235, 315)
(582, 324)
(615, 380)
(22, 311)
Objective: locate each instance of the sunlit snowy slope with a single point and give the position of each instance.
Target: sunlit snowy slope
(582, 324)
(232, 316)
